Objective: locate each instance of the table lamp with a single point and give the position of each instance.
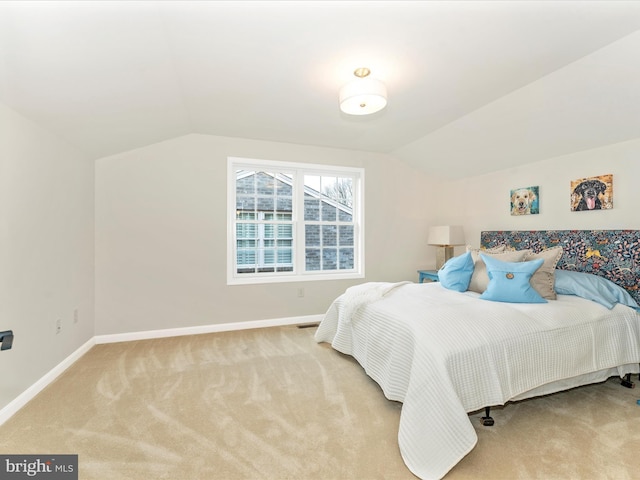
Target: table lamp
(445, 237)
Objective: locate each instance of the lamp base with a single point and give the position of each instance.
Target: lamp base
(442, 255)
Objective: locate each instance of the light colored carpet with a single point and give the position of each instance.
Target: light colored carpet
(273, 404)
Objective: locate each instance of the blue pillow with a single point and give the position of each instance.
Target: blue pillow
(592, 287)
(456, 273)
(509, 281)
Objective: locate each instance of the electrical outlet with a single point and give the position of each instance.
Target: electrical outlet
(301, 292)
(58, 326)
(75, 315)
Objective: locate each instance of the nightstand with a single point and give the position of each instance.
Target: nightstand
(431, 275)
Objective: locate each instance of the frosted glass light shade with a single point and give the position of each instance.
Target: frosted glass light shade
(363, 96)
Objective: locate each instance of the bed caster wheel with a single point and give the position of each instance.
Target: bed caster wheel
(626, 382)
(487, 421)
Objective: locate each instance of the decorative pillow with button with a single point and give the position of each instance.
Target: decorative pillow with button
(510, 281)
(480, 279)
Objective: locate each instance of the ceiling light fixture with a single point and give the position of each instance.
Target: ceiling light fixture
(364, 95)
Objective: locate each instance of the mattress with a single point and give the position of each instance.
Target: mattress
(444, 354)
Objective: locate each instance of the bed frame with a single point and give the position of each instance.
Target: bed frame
(612, 254)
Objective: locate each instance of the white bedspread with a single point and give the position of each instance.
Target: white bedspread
(444, 354)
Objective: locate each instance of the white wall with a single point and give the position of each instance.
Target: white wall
(46, 248)
(161, 225)
(161, 234)
(482, 202)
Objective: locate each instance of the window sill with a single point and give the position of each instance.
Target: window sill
(293, 278)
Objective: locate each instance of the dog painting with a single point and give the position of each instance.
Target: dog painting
(524, 201)
(593, 193)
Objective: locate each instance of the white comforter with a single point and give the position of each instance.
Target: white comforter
(444, 354)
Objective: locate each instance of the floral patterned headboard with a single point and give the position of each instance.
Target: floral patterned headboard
(613, 254)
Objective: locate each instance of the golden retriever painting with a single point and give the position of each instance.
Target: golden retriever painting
(524, 201)
(592, 193)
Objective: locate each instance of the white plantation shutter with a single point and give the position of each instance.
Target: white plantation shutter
(290, 222)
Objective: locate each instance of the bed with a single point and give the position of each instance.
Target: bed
(445, 352)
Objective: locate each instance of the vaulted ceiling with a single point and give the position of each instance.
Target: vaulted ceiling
(473, 85)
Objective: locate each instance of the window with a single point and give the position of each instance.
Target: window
(293, 221)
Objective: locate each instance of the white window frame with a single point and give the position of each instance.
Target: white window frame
(299, 170)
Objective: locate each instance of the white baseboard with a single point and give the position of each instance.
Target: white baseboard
(222, 327)
(21, 400)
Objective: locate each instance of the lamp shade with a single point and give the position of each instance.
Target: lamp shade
(363, 96)
(446, 235)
